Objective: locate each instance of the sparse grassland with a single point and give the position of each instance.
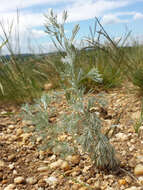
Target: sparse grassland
(78, 77)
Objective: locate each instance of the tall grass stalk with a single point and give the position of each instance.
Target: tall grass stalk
(21, 77)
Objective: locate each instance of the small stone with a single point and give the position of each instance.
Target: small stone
(31, 180)
(11, 166)
(41, 155)
(75, 173)
(14, 172)
(10, 187)
(19, 180)
(51, 180)
(13, 137)
(3, 112)
(39, 139)
(53, 157)
(4, 181)
(141, 179)
(76, 186)
(140, 158)
(19, 131)
(27, 122)
(8, 131)
(11, 157)
(138, 170)
(132, 162)
(121, 136)
(83, 188)
(11, 126)
(25, 136)
(132, 188)
(65, 166)
(75, 159)
(128, 179)
(62, 137)
(43, 168)
(41, 183)
(122, 181)
(2, 164)
(131, 148)
(1, 176)
(48, 86)
(56, 164)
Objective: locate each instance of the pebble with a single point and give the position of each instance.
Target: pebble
(56, 164)
(43, 168)
(1, 176)
(41, 155)
(132, 188)
(128, 179)
(11, 157)
(75, 159)
(2, 164)
(14, 172)
(48, 86)
(132, 147)
(11, 166)
(19, 180)
(138, 170)
(76, 186)
(53, 157)
(10, 187)
(121, 136)
(51, 180)
(140, 158)
(19, 131)
(141, 179)
(122, 181)
(27, 122)
(83, 188)
(65, 166)
(11, 126)
(25, 136)
(31, 180)
(39, 139)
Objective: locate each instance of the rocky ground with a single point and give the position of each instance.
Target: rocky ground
(24, 167)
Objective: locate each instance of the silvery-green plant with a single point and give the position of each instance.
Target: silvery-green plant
(39, 114)
(67, 47)
(85, 128)
(81, 121)
(83, 125)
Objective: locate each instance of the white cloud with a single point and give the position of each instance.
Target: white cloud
(8, 5)
(89, 9)
(138, 16)
(38, 33)
(77, 10)
(112, 19)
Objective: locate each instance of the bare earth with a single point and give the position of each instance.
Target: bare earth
(23, 167)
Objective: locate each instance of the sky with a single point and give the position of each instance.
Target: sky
(118, 17)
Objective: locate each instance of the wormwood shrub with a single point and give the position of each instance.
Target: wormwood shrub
(81, 123)
(73, 75)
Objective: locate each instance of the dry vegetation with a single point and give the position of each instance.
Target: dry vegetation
(63, 136)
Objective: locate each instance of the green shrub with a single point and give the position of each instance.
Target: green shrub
(83, 125)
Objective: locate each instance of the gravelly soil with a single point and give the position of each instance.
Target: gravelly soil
(20, 158)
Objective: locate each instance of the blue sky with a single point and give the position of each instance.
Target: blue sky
(117, 17)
